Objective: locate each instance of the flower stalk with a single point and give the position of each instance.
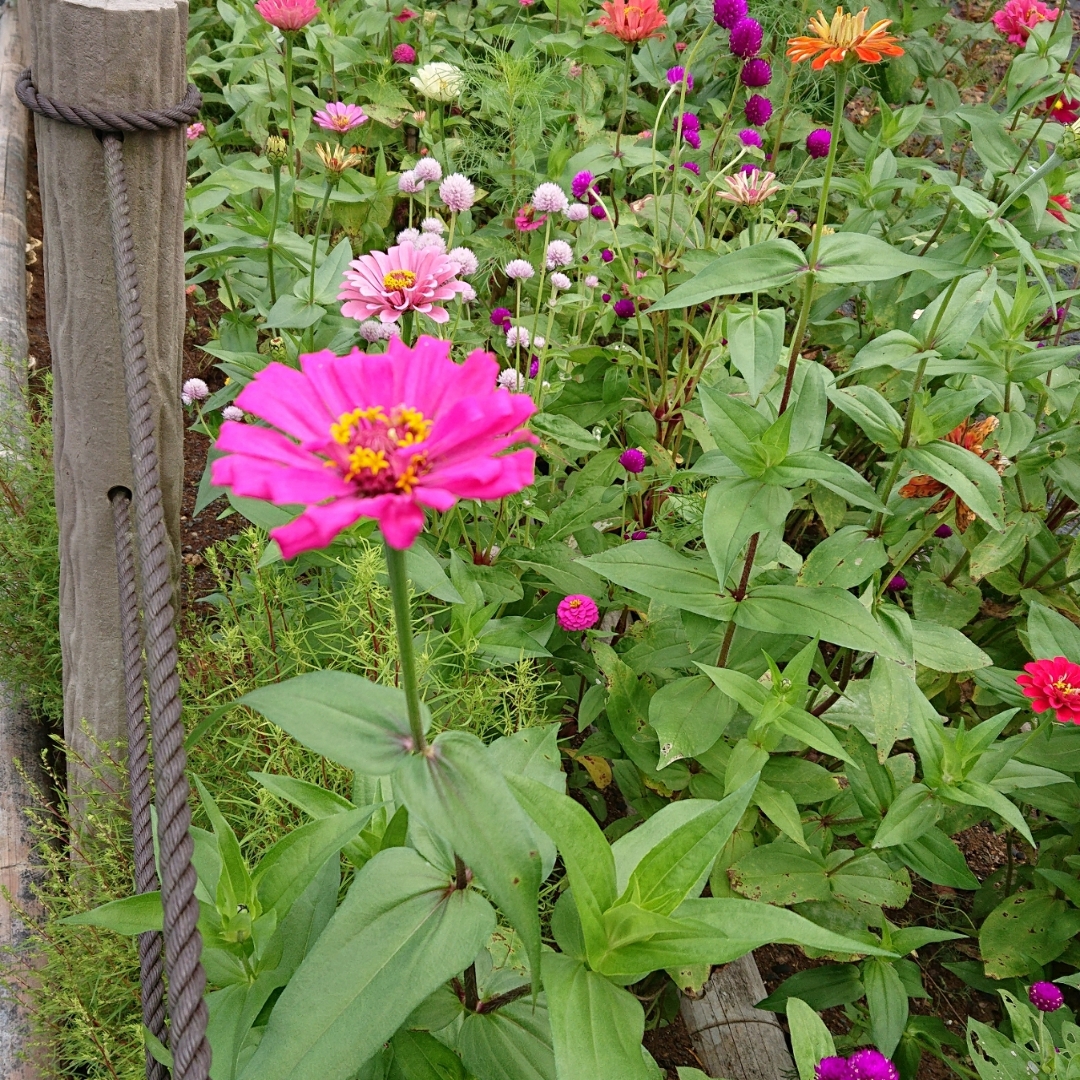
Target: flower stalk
(399, 593)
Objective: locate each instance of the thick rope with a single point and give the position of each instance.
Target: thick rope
(105, 119)
(183, 943)
(151, 969)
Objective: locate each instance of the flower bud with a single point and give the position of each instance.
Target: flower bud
(277, 151)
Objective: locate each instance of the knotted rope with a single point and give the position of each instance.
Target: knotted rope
(183, 943)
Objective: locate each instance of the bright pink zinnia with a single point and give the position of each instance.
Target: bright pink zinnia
(405, 278)
(380, 436)
(1053, 684)
(293, 14)
(339, 117)
(1017, 18)
(577, 612)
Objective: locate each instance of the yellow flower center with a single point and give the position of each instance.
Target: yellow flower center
(1066, 688)
(399, 279)
(369, 438)
(364, 459)
(574, 604)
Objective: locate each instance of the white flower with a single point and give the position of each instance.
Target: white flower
(550, 199)
(428, 170)
(559, 253)
(433, 225)
(519, 270)
(539, 342)
(517, 335)
(457, 192)
(430, 241)
(917, 313)
(194, 390)
(560, 281)
(371, 331)
(408, 236)
(232, 412)
(409, 184)
(509, 379)
(591, 281)
(577, 211)
(439, 81)
(467, 262)
(468, 294)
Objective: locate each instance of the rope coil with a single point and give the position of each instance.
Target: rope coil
(182, 941)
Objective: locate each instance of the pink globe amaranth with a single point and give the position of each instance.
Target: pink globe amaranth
(1046, 997)
(746, 36)
(632, 460)
(898, 583)
(403, 54)
(727, 13)
(757, 110)
(756, 73)
(287, 15)
(818, 142)
(833, 1068)
(870, 1064)
(943, 531)
(382, 436)
(405, 278)
(749, 137)
(577, 612)
(639, 534)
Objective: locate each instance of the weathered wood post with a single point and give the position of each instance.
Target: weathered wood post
(119, 55)
(20, 734)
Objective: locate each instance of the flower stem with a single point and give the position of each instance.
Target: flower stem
(625, 96)
(270, 236)
(315, 241)
(399, 592)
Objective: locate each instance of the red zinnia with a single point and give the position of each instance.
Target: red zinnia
(1063, 203)
(1053, 684)
(1062, 109)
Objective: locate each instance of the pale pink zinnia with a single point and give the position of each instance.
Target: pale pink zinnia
(380, 436)
(1017, 17)
(339, 117)
(405, 278)
(750, 189)
(287, 14)
(195, 131)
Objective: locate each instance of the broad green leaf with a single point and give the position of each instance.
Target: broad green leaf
(810, 1038)
(976, 793)
(999, 549)
(458, 791)
(945, 649)
(688, 715)
(874, 415)
(754, 269)
(779, 807)
(845, 258)
(317, 802)
(633, 846)
(418, 1055)
(511, 1043)
(755, 341)
(656, 571)
(887, 1001)
(937, 858)
(131, 915)
(819, 987)
(749, 693)
(846, 559)
(400, 933)
(739, 431)
(894, 694)
(531, 752)
(781, 873)
(974, 480)
(1050, 634)
(234, 884)
(807, 728)
(955, 604)
(967, 302)
(821, 468)
(1027, 929)
(734, 511)
(350, 720)
(596, 1027)
(914, 812)
(867, 879)
(831, 614)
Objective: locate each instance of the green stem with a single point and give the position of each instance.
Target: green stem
(315, 241)
(270, 237)
(625, 98)
(399, 592)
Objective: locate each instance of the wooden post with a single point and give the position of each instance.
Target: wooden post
(120, 55)
(20, 734)
(732, 1038)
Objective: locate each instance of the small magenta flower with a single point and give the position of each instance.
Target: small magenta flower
(559, 253)
(1046, 997)
(756, 73)
(577, 612)
(527, 219)
(632, 459)
(339, 117)
(818, 142)
(624, 308)
(757, 109)
(749, 137)
(898, 583)
(639, 534)
(195, 131)
(500, 317)
(679, 74)
(457, 192)
(577, 211)
(403, 54)
(833, 1068)
(287, 15)
(232, 412)
(581, 183)
(727, 13)
(687, 122)
(598, 211)
(549, 198)
(943, 531)
(680, 46)
(534, 363)
(606, 297)
(519, 270)
(693, 139)
(872, 1065)
(607, 255)
(693, 166)
(746, 37)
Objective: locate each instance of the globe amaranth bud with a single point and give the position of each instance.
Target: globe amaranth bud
(1068, 147)
(277, 150)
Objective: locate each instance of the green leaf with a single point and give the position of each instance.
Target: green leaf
(976, 793)
(810, 1038)
(874, 415)
(292, 313)
(945, 649)
(974, 480)
(937, 858)
(754, 269)
(781, 873)
(821, 468)
(846, 559)
(531, 752)
(1026, 930)
(401, 932)
(755, 341)
(738, 430)
(807, 728)
(688, 715)
(1050, 635)
(427, 575)
(845, 258)
(819, 987)
(596, 1027)
(914, 812)
(458, 791)
(734, 511)
(867, 879)
(832, 614)
(888, 1004)
(894, 694)
(131, 915)
(954, 604)
(967, 303)
(656, 571)
(511, 1043)
(350, 720)
(779, 807)
(418, 1055)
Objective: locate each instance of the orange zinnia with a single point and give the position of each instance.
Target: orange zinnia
(632, 22)
(970, 436)
(846, 33)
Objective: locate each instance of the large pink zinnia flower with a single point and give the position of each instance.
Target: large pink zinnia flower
(405, 278)
(1053, 684)
(1017, 18)
(379, 436)
(339, 117)
(287, 14)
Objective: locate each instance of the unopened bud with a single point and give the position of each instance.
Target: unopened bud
(1068, 147)
(277, 150)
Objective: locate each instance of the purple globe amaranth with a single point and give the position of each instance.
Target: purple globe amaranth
(818, 142)
(606, 297)
(624, 308)
(833, 1068)
(598, 211)
(632, 459)
(943, 531)
(746, 37)
(500, 317)
(607, 254)
(1046, 997)
(534, 367)
(679, 74)
(898, 582)
(693, 166)
(749, 137)
(687, 122)
(756, 73)
(581, 183)
(639, 534)
(727, 13)
(693, 139)
(757, 109)
(871, 1064)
